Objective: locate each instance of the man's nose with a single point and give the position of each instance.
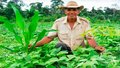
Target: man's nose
(71, 12)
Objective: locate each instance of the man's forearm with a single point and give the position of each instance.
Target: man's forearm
(45, 40)
(92, 42)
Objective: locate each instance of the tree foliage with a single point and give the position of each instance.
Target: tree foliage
(54, 12)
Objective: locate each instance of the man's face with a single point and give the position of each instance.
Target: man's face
(72, 12)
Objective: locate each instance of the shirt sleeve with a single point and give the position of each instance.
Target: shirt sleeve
(88, 31)
(53, 34)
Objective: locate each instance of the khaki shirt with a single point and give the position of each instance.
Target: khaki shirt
(73, 38)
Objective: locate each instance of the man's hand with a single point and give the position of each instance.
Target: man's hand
(99, 49)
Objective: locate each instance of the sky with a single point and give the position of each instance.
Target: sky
(87, 3)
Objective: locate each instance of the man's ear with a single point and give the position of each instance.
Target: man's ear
(65, 11)
(78, 11)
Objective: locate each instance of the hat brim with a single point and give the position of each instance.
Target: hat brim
(66, 7)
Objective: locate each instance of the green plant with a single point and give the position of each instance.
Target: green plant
(26, 31)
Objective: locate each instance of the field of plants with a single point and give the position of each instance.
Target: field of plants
(15, 37)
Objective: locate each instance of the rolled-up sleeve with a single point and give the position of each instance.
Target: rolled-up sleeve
(53, 34)
(88, 31)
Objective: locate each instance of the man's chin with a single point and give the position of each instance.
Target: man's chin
(72, 17)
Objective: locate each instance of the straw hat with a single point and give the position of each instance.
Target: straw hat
(72, 4)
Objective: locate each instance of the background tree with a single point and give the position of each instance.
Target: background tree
(55, 6)
(53, 12)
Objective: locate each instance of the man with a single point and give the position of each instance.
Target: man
(70, 30)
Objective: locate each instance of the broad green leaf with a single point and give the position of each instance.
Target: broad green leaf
(62, 53)
(40, 36)
(54, 51)
(34, 23)
(19, 19)
(70, 57)
(83, 60)
(41, 62)
(63, 58)
(18, 38)
(51, 60)
(26, 37)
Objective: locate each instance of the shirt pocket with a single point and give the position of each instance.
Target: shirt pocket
(79, 33)
(63, 35)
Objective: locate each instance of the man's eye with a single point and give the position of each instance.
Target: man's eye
(69, 9)
(74, 9)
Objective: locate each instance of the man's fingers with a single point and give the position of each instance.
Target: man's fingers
(100, 48)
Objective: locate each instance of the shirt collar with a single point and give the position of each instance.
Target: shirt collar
(78, 20)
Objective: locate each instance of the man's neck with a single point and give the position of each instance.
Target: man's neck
(72, 20)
